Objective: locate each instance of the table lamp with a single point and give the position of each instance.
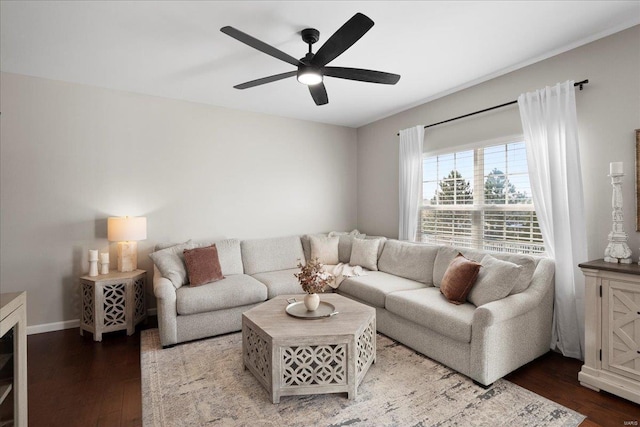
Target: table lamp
(127, 231)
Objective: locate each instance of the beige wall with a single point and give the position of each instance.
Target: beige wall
(608, 112)
(73, 155)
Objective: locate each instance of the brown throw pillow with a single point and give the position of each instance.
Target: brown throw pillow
(203, 265)
(459, 278)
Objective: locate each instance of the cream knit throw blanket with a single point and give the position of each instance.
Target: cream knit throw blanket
(342, 271)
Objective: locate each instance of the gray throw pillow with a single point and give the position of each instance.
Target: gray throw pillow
(170, 262)
(495, 280)
(365, 253)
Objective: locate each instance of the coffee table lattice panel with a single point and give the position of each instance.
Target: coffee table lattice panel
(258, 354)
(366, 346)
(314, 365)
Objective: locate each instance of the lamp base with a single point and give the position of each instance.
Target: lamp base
(127, 256)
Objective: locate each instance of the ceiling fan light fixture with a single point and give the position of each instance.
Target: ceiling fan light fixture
(309, 76)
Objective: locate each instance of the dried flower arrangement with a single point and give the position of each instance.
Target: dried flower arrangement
(312, 276)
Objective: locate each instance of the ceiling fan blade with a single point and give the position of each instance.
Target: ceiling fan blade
(260, 45)
(361, 75)
(342, 39)
(264, 80)
(319, 94)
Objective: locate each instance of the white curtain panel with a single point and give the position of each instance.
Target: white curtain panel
(550, 126)
(410, 180)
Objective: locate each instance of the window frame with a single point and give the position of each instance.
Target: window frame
(478, 208)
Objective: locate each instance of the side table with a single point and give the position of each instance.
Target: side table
(112, 302)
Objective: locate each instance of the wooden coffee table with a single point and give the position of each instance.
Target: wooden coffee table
(292, 356)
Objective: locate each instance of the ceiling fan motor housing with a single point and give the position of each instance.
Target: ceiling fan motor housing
(310, 35)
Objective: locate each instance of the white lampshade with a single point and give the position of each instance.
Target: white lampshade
(127, 228)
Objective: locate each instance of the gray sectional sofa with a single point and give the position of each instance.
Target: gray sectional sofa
(484, 343)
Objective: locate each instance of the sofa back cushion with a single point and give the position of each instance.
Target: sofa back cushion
(278, 253)
(409, 260)
(305, 240)
(229, 255)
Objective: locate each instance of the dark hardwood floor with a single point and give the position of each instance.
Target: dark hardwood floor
(74, 381)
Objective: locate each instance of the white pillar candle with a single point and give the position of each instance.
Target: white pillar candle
(104, 258)
(93, 255)
(615, 168)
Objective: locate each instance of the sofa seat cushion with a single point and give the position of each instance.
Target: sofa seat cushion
(280, 282)
(375, 286)
(429, 308)
(232, 291)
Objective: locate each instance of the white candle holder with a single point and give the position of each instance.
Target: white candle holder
(93, 262)
(104, 263)
(617, 250)
(93, 268)
(104, 268)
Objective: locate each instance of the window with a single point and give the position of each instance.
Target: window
(480, 198)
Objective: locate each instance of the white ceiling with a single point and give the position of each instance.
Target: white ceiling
(176, 50)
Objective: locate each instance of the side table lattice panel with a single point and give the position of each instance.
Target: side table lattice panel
(114, 304)
(87, 304)
(140, 307)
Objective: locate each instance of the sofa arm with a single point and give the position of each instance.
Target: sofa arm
(513, 331)
(518, 304)
(165, 294)
(163, 288)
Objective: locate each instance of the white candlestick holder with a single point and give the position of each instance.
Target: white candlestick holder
(104, 268)
(617, 250)
(93, 268)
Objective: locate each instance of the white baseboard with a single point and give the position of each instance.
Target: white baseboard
(55, 326)
(67, 324)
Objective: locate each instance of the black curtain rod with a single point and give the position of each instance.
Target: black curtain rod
(576, 84)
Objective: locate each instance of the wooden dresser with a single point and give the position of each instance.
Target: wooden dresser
(612, 328)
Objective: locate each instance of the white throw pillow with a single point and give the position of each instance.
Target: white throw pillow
(364, 252)
(170, 262)
(325, 249)
(495, 280)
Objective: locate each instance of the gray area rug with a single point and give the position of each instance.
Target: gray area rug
(203, 383)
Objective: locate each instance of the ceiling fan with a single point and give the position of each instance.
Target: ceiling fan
(312, 68)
